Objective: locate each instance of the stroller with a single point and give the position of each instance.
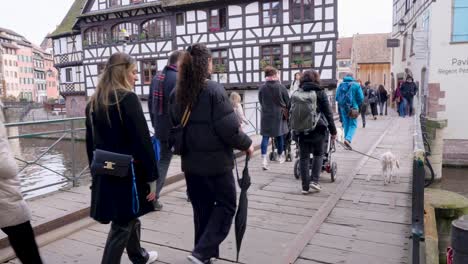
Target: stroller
(328, 164)
(287, 148)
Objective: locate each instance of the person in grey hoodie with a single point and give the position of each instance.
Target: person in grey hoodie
(14, 212)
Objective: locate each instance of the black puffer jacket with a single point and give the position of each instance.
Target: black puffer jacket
(211, 134)
(323, 107)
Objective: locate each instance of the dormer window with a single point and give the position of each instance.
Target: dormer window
(218, 19)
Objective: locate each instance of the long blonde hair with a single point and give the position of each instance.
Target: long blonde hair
(113, 80)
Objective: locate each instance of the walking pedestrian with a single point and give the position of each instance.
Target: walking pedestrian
(210, 135)
(365, 103)
(295, 83)
(115, 129)
(383, 98)
(349, 97)
(236, 104)
(408, 91)
(161, 88)
(311, 135)
(373, 100)
(400, 102)
(14, 212)
(274, 101)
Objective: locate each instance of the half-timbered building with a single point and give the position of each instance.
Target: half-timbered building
(244, 36)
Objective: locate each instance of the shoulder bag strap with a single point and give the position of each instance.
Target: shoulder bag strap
(186, 115)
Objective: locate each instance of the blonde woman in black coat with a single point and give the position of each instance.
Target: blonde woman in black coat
(115, 123)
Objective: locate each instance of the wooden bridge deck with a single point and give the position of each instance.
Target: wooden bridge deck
(351, 221)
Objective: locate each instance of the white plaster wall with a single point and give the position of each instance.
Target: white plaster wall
(455, 85)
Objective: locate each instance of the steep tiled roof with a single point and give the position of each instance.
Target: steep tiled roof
(344, 48)
(371, 48)
(9, 31)
(70, 19)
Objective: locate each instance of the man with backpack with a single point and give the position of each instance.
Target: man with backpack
(310, 117)
(349, 97)
(158, 103)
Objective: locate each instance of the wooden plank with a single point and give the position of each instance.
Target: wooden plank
(372, 225)
(377, 216)
(364, 235)
(390, 252)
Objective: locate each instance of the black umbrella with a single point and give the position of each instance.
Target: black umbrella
(241, 215)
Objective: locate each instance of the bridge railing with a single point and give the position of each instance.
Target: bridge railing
(71, 131)
(58, 131)
(421, 151)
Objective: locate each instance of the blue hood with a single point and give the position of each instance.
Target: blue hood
(348, 79)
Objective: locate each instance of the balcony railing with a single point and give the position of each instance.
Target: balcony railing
(68, 59)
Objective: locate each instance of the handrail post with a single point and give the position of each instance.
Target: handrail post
(73, 170)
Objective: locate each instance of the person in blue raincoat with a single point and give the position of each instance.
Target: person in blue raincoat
(357, 97)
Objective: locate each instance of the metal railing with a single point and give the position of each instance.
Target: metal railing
(71, 131)
(421, 152)
(59, 130)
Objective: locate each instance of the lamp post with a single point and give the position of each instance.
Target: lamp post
(401, 26)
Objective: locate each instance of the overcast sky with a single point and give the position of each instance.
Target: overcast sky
(34, 19)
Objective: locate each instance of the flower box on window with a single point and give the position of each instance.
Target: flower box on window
(220, 68)
(214, 29)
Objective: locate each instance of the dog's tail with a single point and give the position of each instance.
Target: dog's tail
(398, 164)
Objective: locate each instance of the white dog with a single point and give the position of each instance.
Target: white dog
(389, 166)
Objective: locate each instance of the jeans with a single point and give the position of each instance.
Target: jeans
(213, 199)
(164, 163)
(123, 236)
(383, 105)
(279, 144)
(349, 125)
(363, 114)
(409, 106)
(22, 241)
(374, 109)
(306, 148)
(402, 107)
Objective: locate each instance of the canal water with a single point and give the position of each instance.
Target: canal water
(52, 164)
(454, 180)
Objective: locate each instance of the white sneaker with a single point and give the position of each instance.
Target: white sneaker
(153, 256)
(316, 186)
(282, 159)
(265, 163)
(305, 192)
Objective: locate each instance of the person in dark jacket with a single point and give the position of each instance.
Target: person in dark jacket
(314, 141)
(373, 100)
(115, 122)
(383, 98)
(274, 100)
(161, 88)
(365, 103)
(408, 91)
(211, 134)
